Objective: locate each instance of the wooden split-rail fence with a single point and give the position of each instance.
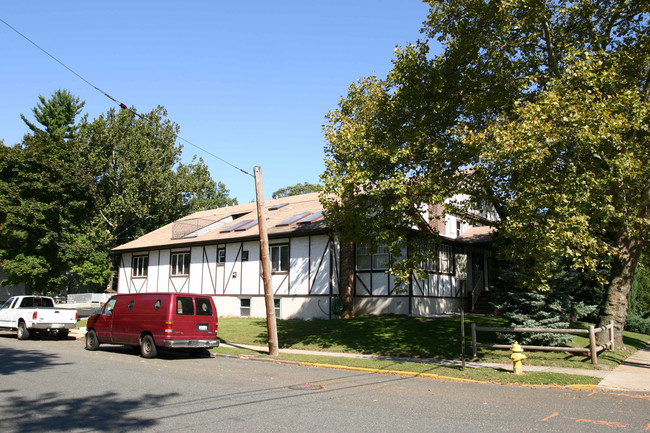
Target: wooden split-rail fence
(591, 351)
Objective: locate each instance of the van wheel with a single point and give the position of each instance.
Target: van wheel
(92, 342)
(23, 332)
(148, 347)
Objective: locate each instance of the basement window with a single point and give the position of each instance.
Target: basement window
(245, 307)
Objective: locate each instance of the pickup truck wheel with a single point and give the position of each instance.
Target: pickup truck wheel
(92, 343)
(148, 347)
(23, 332)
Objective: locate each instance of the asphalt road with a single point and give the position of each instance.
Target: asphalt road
(49, 385)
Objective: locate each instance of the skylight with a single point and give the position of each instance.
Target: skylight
(246, 226)
(293, 219)
(311, 218)
(236, 226)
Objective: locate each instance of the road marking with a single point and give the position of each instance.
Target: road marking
(550, 416)
(598, 422)
(620, 394)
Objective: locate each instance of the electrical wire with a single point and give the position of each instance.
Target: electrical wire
(121, 104)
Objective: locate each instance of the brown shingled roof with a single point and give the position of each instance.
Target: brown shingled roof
(218, 225)
(477, 235)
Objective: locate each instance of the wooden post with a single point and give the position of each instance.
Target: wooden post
(592, 345)
(462, 334)
(474, 340)
(266, 266)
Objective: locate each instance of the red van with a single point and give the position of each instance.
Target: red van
(152, 320)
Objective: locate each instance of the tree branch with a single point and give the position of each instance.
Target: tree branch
(552, 59)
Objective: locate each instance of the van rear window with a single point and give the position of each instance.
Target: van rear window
(203, 307)
(184, 306)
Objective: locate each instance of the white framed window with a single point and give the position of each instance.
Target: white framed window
(429, 252)
(280, 258)
(245, 307)
(364, 258)
(276, 304)
(445, 259)
(381, 259)
(221, 256)
(139, 266)
(180, 263)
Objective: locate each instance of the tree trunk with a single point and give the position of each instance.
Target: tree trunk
(615, 302)
(29, 286)
(346, 287)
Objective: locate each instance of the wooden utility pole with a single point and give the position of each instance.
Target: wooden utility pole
(266, 266)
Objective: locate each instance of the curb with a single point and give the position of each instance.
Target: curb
(576, 387)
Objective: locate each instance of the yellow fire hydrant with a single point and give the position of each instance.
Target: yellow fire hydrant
(517, 356)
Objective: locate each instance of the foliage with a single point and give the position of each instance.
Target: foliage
(640, 294)
(637, 323)
(71, 192)
(638, 319)
(297, 189)
(57, 114)
(535, 309)
(572, 169)
(539, 109)
(45, 197)
(141, 183)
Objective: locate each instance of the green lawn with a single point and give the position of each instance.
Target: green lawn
(415, 337)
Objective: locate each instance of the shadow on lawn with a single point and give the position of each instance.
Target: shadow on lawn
(379, 335)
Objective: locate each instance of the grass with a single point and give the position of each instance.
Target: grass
(414, 337)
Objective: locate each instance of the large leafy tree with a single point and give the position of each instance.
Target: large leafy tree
(45, 197)
(141, 182)
(426, 131)
(70, 192)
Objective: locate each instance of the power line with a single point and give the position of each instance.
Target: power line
(121, 104)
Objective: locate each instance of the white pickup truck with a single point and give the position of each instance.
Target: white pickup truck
(31, 314)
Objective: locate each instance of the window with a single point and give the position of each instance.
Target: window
(36, 302)
(203, 307)
(244, 256)
(445, 259)
(381, 259)
(184, 306)
(139, 266)
(180, 263)
(429, 253)
(108, 307)
(280, 258)
(221, 256)
(245, 307)
(276, 304)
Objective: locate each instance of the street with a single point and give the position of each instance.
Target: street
(50, 385)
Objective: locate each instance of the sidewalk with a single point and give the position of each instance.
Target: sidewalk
(632, 375)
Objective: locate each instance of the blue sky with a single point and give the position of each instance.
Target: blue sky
(249, 81)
